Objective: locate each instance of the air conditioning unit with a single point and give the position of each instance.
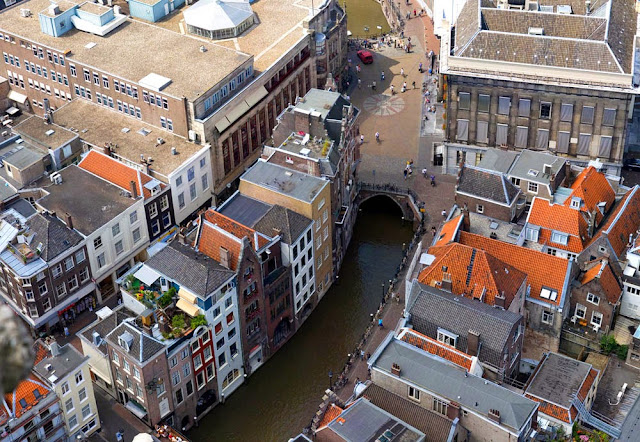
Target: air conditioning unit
(193, 136)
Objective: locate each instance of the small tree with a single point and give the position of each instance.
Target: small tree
(608, 344)
(178, 323)
(164, 300)
(198, 321)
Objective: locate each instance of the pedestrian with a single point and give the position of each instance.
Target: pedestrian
(382, 76)
(420, 67)
(380, 322)
(368, 355)
(360, 84)
(393, 90)
(444, 213)
(415, 13)
(404, 86)
(424, 172)
(413, 84)
(378, 137)
(362, 355)
(433, 184)
(357, 380)
(361, 139)
(405, 173)
(433, 231)
(402, 72)
(373, 85)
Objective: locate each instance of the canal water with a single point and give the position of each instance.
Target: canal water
(283, 395)
(365, 13)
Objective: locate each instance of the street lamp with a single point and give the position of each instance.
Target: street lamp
(195, 421)
(383, 289)
(330, 376)
(371, 316)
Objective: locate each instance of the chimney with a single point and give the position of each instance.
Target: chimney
(106, 149)
(499, 300)
(473, 343)
(395, 369)
(453, 410)
(494, 415)
(54, 348)
(466, 222)
(134, 189)
(446, 282)
(224, 257)
(68, 220)
(301, 122)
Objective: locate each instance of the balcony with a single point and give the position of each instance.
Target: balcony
(342, 215)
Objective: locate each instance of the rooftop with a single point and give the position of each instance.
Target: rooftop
(437, 348)
(285, 222)
(99, 126)
(285, 181)
(28, 393)
(49, 136)
(452, 382)
(498, 160)
(622, 222)
(105, 326)
(144, 54)
(51, 235)
(91, 201)
(57, 367)
(529, 165)
(560, 34)
(601, 270)
(494, 228)
(143, 346)
(559, 218)
(487, 184)
(244, 209)
(593, 188)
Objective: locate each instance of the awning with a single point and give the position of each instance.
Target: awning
(12, 111)
(237, 112)
(222, 124)
(188, 308)
(16, 96)
(187, 295)
(255, 97)
(135, 409)
(147, 275)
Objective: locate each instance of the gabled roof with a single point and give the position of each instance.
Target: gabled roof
(487, 184)
(236, 229)
(473, 273)
(431, 309)
(548, 272)
(30, 391)
(54, 235)
(436, 348)
(601, 270)
(116, 172)
(592, 187)
(282, 221)
(560, 218)
(623, 221)
(144, 346)
(200, 274)
(448, 231)
(105, 326)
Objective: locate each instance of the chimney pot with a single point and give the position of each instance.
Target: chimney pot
(69, 220)
(494, 415)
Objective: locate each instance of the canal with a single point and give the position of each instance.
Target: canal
(283, 395)
(365, 13)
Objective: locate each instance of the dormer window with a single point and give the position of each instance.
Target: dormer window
(550, 294)
(446, 337)
(126, 341)
(575, 202)
(559, 237)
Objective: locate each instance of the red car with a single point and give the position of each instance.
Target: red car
(365, 56)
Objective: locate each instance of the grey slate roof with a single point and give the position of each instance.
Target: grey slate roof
(243, 209)
(435, 426)
(67, 361)
(196, 271)
(107, 325)
(284, 180)
(498, 160)
(487, 184)
(282, 221)
(431, 309)
(23, 207)
(7, 191)
(452, 382)
(144, 346)
(55, 236)
(530, 160)
(558, 379)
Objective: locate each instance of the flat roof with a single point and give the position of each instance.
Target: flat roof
(530, 166)
(50, 136)
(278, 28)
(67, 361)
(91, 201)
(23, 156)
(98, 125)
(141, 48)
(558, 379)
(284, 180)
(243, 209)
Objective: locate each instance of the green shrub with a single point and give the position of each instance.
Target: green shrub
(178, 323)
(608, 344)
(621, 351)
(165, 299)
(198, 321)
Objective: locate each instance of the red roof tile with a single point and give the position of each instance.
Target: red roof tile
(586, 385)
(608, 280)
(25, 390)
(472, 271)
(592, 187)
(116, 172)
(553, 410)
(560, 218)
(41, 351)
(437, 348)
(623, 221)
(542, 270)
(235, 228)
(333, 411)
(448, 231)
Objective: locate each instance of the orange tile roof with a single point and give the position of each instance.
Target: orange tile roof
(592, 187)
(552, 410)
(448, 231)
(41, 352)
(560, 218)
(542, 270)
(332, 412)
(116, 172)
(472, 271)
(25, 390)
(586, 385)
(623, 221)
(235, 228)
(437, 348)
(608, 280)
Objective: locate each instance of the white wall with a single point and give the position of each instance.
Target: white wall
(183, 189)
(298, 295)
(630, 302)
(445, 10)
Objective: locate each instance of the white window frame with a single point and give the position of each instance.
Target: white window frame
(593, 299)
(446, 337)
(413, 393)
(594, 315)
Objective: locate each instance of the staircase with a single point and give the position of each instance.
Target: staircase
(621, 330)
(595, 422)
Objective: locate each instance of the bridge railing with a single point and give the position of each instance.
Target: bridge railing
(391, 188)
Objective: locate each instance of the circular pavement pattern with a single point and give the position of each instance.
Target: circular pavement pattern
(384, 105)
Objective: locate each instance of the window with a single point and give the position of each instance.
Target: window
(126, 366)
(584, 144)
(65, 388)
(483, 103)
(197, 362)
(502, 131)
(522, 133)
(87, 75)
(233, 349)
(153, 210)
(97, 243)
(542, 141)
(596, 319)
(72, 68)
(562, 144)
(68, 405)
(42, 287)
(504, 103)
(186, 369)
(581, 311)
(115, 230)
(200, 380)
(184, 353)
(56, 271)
(190, 387)
(462, 131)
(175, 378)
(605, 146)
(593, 299)
(73, 422)
(228, 302)
(139, 392)
(160, 388)
(119, 247)
(222, 359)
(210, 372)
(82, 394)
(547, 317)
(73, 282)
(105, 82)
(101, 261)
(181, 200)
(609, 117)
(532, 187)
(587, 115)
(116, 358)
(464, 100)
(439, 406)
(207, 351)
(192, 191)
(46, 304)
(136, 235)
(479, 208)
(414, 394)
(136, 373)
(545, 110)
(205, 182)
(559, 237)
(447, 337)
(524, 107)
(482, 132)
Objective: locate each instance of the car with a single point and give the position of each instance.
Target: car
(631, 163)
(365, 56)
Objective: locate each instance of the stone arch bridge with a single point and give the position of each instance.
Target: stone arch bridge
(406, 199)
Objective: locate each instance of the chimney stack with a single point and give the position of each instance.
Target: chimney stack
(134, 189)
(446, 282)
(69, 220)
(473, 343)
(499, 300)
(494, 415)
(395, 369)
(453, 410)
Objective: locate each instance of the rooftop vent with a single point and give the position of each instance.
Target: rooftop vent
(533, 172)
(48, 367)
(24, 12)
(90, 45)
(203, 48)
(545, 8)
(536, 31)
(49, 132)
(546, 169)
(305, 151)
(159, 141)
(126, 130)
(174, 151)
(144, 131)
(565, 9)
